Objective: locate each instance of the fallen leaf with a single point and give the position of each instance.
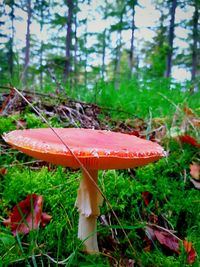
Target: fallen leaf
(189, 112)
(195, 170)
(136, 123)
(171, 242)
(190, 252)
(3, 171)
(147, 196)
(27, 215)
(189, 140)
(196, 122)
(168, 240)
(45, 219)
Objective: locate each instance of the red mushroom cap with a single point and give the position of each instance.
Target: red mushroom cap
(96, 149)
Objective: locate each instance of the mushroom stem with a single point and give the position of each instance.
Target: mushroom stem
(88, 202)
(87, 233)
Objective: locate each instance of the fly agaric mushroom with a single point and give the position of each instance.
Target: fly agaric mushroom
(95, 150)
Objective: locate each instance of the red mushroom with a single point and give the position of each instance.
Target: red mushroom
(95, 150)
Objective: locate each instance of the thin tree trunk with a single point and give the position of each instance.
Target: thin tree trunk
(11, 53)
(27, 48)
(103, 55)
(118, 55)
(86, 56)
(131, 55)
(75, 51)
(171, 38)
(68, 41)
(195, 41)
(41, 64)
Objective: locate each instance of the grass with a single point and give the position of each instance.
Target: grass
(174, 201)
(140, 98)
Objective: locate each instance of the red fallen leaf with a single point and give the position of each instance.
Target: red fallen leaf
(171, 242)
(147, 196)
(45, 219)
(168, 240)
(27, 215)
(3, 171)
(190, 252)
(189, 140)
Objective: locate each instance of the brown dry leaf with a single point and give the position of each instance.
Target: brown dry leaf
(159, 134)
(126, 263)
(189, 112)
(196, 122)
(135, 123)
(122, 262)
(156, 122)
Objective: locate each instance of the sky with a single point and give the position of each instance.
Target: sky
(145, 18)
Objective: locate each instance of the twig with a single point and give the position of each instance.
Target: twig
(24, 163)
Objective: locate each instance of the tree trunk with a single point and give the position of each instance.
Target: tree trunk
(86, 55)
(194, 45)
(171, 38)
(27, 48)
(41, 64)
(68, 41)
(118, 55)
(131, 55)
(75, 51)
(10, 52)
(118, 61)
(103, 55)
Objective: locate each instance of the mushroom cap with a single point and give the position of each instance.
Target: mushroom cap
(96, 149)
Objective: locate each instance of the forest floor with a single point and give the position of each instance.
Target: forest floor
(158, 205)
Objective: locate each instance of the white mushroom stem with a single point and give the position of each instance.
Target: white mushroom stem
(88, 202)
